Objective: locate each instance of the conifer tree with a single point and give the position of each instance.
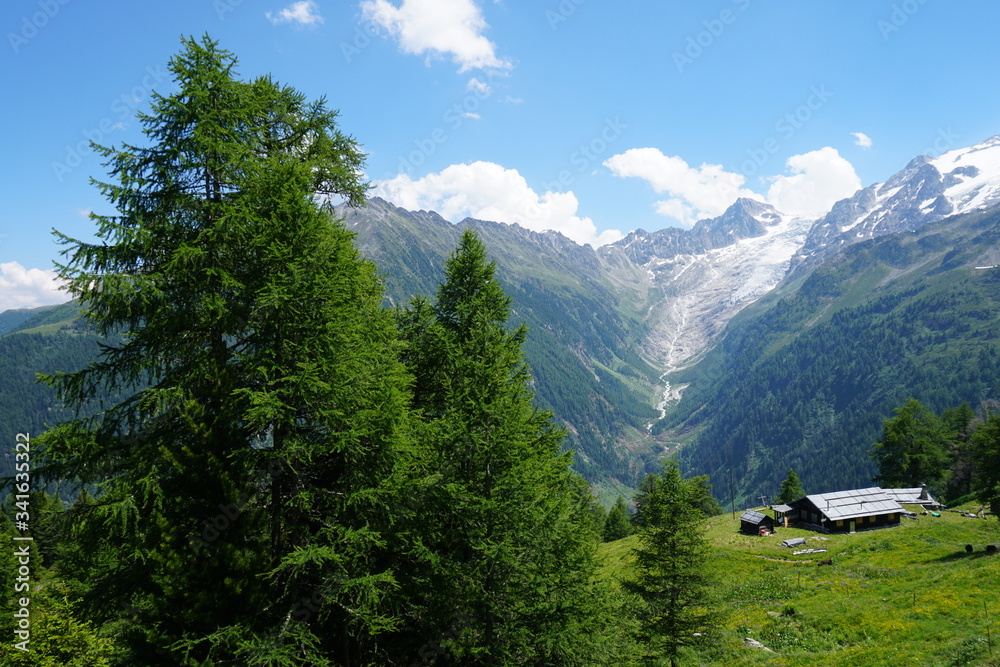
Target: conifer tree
(671, 577)
(237, 518)
(986, 462)
(701, 488)
(500, 539)
(791, 488)
(617, 524)
(960, 425)
(913, 449)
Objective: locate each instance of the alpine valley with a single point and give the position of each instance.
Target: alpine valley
(750, 343)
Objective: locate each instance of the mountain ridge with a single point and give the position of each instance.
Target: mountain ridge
(629, 341)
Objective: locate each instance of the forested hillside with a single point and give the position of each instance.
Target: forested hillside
(43, 340)
(804, 380)
(582, 344)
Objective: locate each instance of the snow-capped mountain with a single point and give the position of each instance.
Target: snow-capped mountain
(927, 189)
(611, 324)
(696, 280)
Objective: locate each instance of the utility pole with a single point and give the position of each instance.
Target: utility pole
(732, 479)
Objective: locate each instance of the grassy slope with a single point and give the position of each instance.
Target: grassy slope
(900, 596)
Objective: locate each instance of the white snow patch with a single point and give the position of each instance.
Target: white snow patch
(972, 192)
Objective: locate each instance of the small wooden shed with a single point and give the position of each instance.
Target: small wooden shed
(752, 521)
(781, 514)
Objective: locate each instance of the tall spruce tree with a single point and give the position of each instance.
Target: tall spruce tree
(237, 516)
(791, 488)
(500, 538)
(671, 577)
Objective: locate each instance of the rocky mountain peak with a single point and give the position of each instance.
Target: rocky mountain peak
(925, 190)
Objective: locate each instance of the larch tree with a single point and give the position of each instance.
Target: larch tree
(237, 511)
(499, 538)
(671, 577)
(913, 449)
(986, 462)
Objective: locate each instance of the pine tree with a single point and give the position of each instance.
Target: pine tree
(671, 577)
(499, 558)
(791, 488)
(263, 395)
(617, 525)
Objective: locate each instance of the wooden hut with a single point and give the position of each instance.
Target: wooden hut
(752, 521)
(847, 511)
(781, 514)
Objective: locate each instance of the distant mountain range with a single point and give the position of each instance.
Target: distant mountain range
(626, 338)
(755, 340)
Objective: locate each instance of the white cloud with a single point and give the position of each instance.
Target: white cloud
(479, 87)
(438, 27)
(695, 192)
(488, 191)
(305, 12)
(817, 181)
(28, 288)
(862, 139)
(814, 182)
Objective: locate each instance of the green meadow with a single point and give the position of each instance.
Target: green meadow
(905, 596)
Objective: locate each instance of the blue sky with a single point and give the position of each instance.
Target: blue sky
(589, 117)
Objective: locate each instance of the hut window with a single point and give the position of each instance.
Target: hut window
(840, 522)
